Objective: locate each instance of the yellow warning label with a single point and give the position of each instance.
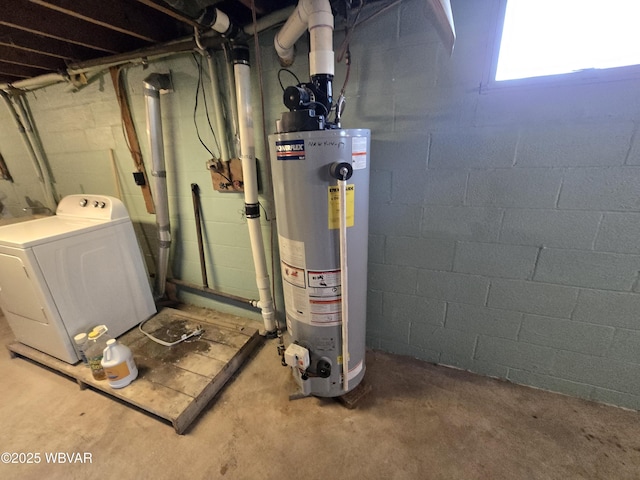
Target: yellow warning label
(339, 359)
(334, 206)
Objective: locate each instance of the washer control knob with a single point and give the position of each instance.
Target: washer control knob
(83, 202)
(96, 204)
(102, 204)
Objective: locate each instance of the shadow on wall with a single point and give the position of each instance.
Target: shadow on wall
(35, 207)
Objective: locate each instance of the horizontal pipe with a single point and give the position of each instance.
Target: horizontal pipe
(268, 21)
(155, 52)
(210, 291)
(36, 82)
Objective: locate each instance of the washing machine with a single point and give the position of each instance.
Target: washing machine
(64, 274)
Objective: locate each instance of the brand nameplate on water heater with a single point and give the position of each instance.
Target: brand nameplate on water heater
(290, 150)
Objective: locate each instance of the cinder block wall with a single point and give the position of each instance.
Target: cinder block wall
(503, 222)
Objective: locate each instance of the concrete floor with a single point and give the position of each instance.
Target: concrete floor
(419, 422)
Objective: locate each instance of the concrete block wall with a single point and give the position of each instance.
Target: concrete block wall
(503, 222)
(79, 128)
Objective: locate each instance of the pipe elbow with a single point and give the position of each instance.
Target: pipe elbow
(308, 15)
(157, 83)
(286, 56)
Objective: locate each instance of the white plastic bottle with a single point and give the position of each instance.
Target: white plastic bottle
(81, 346)
(118, 364)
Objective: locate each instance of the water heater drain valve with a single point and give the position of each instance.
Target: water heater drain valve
(297, 356)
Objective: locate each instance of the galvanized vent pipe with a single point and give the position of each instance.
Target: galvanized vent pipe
(155, 84)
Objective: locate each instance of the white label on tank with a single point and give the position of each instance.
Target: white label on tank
(296, 302)
(326, 311)
(292, 252)
(292, 265)
(359, 153)
(326, 279)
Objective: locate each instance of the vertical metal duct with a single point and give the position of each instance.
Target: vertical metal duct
(155, 84)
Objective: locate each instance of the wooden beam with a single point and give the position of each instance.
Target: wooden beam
(124, 16)
(27, 16)
(132, 136)
(30, 59)
(46, 46)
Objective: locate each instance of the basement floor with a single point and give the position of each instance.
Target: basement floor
(419, 422)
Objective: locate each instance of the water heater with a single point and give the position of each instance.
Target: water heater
(321, 191)
(308, 211)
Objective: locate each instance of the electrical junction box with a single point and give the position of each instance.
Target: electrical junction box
(297, 356)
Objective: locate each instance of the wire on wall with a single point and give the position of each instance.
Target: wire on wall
(200, 87)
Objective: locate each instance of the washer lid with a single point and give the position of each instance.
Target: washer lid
(48, 229)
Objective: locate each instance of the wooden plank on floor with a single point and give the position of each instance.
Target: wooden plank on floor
(175, 383)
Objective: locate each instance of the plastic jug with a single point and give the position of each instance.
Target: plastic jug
(118, 364)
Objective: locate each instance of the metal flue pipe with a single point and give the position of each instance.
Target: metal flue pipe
(154, 84)
(242, 73)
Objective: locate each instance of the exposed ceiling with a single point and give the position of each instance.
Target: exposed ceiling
(45, 36)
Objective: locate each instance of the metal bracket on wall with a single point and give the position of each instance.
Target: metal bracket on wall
(226, 176)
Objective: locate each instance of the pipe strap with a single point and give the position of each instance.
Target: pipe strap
(252, 210)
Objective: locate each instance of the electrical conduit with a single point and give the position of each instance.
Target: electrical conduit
(34, 140)
(242, 73)
(47, 190)
(154, 84)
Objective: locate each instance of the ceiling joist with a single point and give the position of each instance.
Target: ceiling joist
(123, 16)
(27, 16)
(29, 59)
(53, 36)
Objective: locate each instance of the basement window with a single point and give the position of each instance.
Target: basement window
(567, 39)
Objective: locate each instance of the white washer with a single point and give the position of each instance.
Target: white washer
(64, 274)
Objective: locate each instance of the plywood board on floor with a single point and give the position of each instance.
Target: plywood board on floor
(175, 383)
